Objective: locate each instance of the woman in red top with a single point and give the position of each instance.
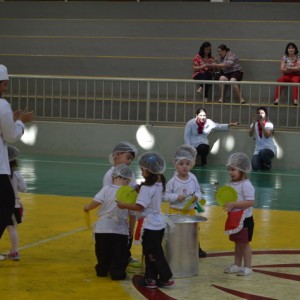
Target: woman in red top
(201, 64)
(290, 69)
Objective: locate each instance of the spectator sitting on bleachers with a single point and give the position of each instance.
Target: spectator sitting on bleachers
(231, 70)
(201, 69)
(290, 69)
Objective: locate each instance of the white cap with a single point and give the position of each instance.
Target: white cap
(122, 147)
(122, 170)
(188, 148)
(240, 161)
(3, 73)
(183, 155)
(153, 162)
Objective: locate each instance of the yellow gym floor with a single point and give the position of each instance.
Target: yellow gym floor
(57, 256)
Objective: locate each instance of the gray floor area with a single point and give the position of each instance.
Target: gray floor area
(145, 39)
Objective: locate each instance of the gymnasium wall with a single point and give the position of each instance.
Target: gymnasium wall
(97, 140)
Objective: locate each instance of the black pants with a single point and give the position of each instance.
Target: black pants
(262, 160)
(112, 255)
(156, 265)
(204, 76)
(202, 151)
(7, 202)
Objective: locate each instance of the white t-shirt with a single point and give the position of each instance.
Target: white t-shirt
(263, 142)
(245, 191)
(18, 185)
(111, 218)
(150, 197)
(176, 187)
(10, 131)
(107, 179)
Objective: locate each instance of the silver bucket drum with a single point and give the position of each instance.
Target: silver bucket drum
(181, 244)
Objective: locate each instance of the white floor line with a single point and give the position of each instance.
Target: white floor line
(53, 238)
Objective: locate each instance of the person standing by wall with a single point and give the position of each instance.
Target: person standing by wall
(11, 130)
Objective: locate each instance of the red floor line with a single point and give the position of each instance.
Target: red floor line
(242, 294)
(278, 266)
(279, 275)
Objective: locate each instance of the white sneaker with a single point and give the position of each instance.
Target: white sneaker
(2, 257)
(232, 269)
(244, 271)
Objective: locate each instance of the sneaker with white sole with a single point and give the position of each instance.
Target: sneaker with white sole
(168, 284)
(232, 269)
(2, 257)
(244, 271)
(150, 283)
(13, 255)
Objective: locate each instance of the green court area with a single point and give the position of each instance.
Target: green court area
(79, 176)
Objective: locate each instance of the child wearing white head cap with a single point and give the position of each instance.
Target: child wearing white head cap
(183, 185)
(123, 153)
(112, 229)
(158, 272)
(239, 165)
(19, 185)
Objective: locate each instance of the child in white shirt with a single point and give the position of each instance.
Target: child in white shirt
(149, 202)
(111, 230)
(183, 185)
(239, 165)
(18, 185)
(123, 153)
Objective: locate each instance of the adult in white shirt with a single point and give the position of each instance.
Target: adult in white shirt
(11, 130)
(265, 149)
(196, 133)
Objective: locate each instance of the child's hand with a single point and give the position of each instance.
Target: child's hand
(229, 206)
(121, 205)
(195, 199)
(181, 197)
(86, 208)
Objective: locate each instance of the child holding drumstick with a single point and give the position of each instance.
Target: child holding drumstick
(123, 153)
(239, 165)
(111, 229)
(182, 185)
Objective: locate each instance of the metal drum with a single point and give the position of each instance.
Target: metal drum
(181, 244)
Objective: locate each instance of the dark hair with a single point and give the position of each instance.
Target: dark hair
(289, 45)
(223, 47)
(152, 178)
(264, 109)
(203, 46)
(199, 110)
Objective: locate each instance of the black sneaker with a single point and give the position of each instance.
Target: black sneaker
(202, 253)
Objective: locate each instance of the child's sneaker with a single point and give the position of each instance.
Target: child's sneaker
(232, 269)
(244, 271)
(2, 257)
(13, 256)
(150, 283)
(168, 285)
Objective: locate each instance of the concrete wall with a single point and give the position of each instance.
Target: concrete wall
(97, 140)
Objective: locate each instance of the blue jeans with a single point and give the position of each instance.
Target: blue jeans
(262, 160)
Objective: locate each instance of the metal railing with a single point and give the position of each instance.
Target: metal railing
(146, 101)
